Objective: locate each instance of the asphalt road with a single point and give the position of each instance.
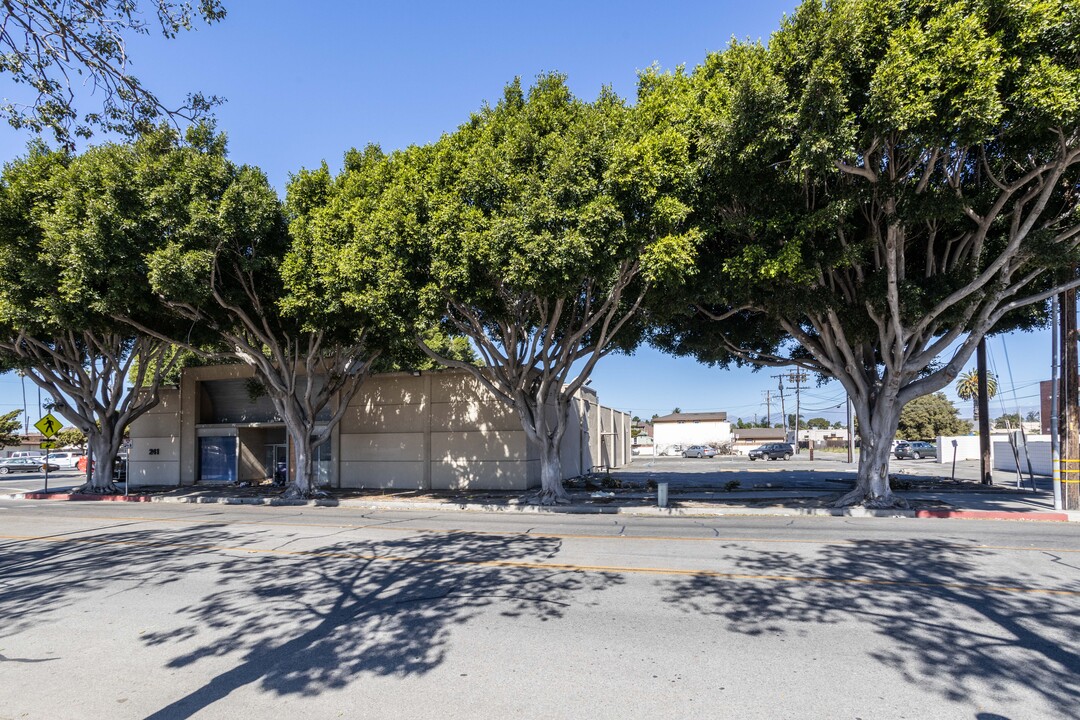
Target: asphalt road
(174, 611)
(20, 482)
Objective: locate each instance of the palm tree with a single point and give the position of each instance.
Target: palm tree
(967, 388)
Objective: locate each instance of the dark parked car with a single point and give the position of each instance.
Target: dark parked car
(25, 464)
(914, 449)
(699, 451)
(772, 451)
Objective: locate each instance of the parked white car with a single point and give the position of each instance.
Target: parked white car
(65, 459)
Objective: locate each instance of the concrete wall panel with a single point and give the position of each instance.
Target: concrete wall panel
(570, 452)
(384, 419)
(390, 389)
(382, 447)
(389, 475)
(168, 404)
(167, 447)
(490, 475)
(143, 472)
(474, 414)
(455, 387)
(456, 447)
(157, 425)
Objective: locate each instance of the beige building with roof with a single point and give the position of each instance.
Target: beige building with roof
(438, 430)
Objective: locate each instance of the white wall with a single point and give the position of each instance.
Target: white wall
(967, 448)
(691, 433)
(1038, 450)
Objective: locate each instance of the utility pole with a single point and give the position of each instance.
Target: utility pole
(768, 406)
(798, 377)
(1069, 400)
(1055, 439)
(783, 407)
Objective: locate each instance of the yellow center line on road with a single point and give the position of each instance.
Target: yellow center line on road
(560, 567)
(554, 536)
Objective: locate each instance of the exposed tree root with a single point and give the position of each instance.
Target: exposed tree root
(551, 497)
(91, 489)
(865, 498)
(295, 492)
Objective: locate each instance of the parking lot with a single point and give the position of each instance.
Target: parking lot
(827, 471)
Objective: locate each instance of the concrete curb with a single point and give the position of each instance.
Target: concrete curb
(999, 515)
(526, 509)
(76, 497)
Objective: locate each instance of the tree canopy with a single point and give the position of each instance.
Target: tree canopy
(272, 283)
(883, 181)
(535, 230)
(929, 416)
(73, 234)
(10, 427)
(967, 388)
(1008, 421)
(58, 51)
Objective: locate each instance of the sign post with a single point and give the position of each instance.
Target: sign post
(48, 426)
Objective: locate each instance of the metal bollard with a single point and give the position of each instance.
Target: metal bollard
(661, 494)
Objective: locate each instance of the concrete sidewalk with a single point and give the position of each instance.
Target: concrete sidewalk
(994, 503)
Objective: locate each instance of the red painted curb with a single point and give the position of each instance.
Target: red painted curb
(993, 515)
(99, 498)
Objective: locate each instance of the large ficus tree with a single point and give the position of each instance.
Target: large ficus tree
(73, 231)
(59, 55)
(536, 230)
(258, 283)
(880, 186)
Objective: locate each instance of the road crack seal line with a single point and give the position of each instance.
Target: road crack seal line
(558, 566)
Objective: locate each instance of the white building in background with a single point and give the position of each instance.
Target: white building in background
(683, 429)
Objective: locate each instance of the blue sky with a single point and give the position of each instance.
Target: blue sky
(305, 81)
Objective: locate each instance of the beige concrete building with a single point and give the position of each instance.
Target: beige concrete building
(419, 431)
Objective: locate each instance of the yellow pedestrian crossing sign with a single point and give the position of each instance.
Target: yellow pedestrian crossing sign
(48, 425)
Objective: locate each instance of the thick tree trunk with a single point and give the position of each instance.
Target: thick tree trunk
(877, 428)
(104, 445)
(302, 482)
(537, 419)
(551, 487)
(302, 478)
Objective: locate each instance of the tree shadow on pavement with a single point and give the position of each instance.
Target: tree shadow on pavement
(954, 628)
(316, 620)
(293, 616)
(41, 576)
